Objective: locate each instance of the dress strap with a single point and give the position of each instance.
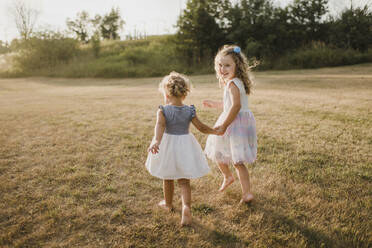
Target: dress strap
(238, 83)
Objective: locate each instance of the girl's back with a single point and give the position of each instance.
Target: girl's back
(177, 118)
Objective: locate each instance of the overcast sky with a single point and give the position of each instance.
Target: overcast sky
(144, 16)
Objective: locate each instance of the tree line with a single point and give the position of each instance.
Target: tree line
(302, 34)
(82, 27)
(86, 28)
(264, 30)
(258, 26)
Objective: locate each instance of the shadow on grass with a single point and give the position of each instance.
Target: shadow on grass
(281, 223)
(215, 237)
(281, 228)
(315, 167)
(276, 229)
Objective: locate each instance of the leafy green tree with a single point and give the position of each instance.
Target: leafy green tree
(282, 29)
(202, 28)
(307, 20)
(251, 23)
(80, 26)
(353, 29)
(96, 23)
(111, 24)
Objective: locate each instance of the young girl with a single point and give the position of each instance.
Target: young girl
(238, 144)
(174, 152)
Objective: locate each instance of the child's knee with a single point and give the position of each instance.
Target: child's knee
(239, 165)
(168, 183)
(184, 182)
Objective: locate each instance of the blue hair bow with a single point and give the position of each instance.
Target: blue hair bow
(237, 49)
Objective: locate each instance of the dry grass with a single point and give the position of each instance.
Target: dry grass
(72, 172)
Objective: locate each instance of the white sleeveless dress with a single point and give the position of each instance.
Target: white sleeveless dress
(180, 155)
(239, 143)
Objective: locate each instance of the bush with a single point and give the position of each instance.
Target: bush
(4, 47)
(96, 44)
(155, 56)
(45, 50)
(51, 54)
(316, 57)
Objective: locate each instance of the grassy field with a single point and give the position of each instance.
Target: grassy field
(72, 174)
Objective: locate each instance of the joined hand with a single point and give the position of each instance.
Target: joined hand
(220, 130)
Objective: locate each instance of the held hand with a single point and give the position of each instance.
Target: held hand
(154, 148)
(216, 131)
(208, 103)
(220, 130)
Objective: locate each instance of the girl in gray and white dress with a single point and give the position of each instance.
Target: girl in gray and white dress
(174, 152)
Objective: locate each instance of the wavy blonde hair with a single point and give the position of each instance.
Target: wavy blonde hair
(242, 67)
(175, 84)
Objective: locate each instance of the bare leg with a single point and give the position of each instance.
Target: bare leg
(243, 175)
(168, 189)
(186, 201)
(227, 176)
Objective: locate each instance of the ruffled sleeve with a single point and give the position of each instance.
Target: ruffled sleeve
(161, 107)
(193, 111)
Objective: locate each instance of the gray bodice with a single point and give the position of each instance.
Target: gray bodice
(178, 118)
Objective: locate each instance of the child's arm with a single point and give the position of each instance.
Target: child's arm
(202, 127)
(213, 104)
(159, 131)
(233, 111)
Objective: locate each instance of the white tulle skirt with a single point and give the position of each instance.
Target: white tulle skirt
(238, 144)
(180, 156)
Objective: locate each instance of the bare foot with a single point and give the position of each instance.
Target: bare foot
(186, 216)
(164, 206)
(248, 198)
(226, 182)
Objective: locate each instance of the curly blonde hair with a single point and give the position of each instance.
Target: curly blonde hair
(242, 68)
(175, 84)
